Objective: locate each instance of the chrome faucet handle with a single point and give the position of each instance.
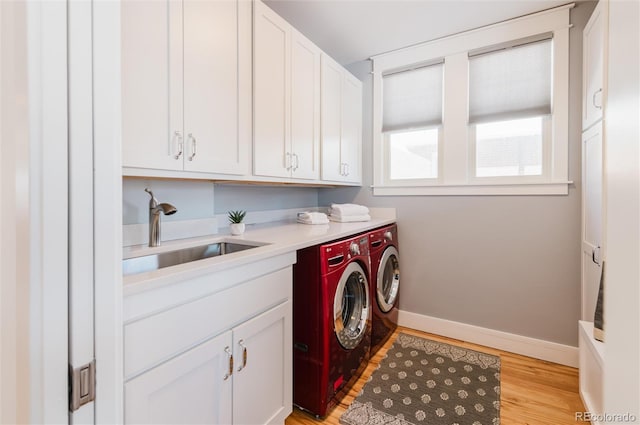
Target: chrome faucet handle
(153, 202)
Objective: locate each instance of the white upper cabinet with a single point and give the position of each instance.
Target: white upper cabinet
(593, 79)
(271, 101)
(305, 108)
(341, 117)
(151, 85)
(286, 99)
(186, 85)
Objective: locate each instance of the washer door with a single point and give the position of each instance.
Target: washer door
(351, 306)
(388, 280)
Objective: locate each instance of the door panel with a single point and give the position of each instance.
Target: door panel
(593, 62)
(305, 107)
(331, 119)
(189, 389)
(271, 140)
(151, 84)
(592, 218)
(268, 341)
(351, 128)
(211, 87)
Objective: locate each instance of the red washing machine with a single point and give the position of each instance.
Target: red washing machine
(385, 284)
(331, 322)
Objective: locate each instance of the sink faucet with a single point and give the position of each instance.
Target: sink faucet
(154, 217)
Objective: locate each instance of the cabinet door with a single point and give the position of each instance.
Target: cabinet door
(211, 88)
(593, 45)
(271, 97)
(262, 382)
(331, 99)
(152, 84)
(189, 389)
(591, 218)
(351, 140)
(305, 108)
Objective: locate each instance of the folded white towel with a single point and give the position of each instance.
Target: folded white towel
(310, 217)
(348, 209)
(350, 218)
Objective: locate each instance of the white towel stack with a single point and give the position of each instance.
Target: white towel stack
(346, 213)
(310, 217)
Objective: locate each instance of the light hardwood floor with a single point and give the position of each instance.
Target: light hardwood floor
(532, 391)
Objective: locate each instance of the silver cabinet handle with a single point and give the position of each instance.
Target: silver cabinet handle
(593, 255)
(295, 167)
(342, 168)
(346, 169)
(228, 374)
(244, 355)
(193, 147)
(178, 137)
(287, 161)
(593, 99)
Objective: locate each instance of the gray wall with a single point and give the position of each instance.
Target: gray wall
(201, 199)
(508, 263)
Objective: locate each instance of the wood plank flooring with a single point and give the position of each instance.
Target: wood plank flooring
(532, 391)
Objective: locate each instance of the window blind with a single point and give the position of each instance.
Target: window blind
(412, 98)
(511, 83)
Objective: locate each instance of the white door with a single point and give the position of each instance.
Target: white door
(193, 388)
(593, 40)
(81, 182)
(271, 97)
(305, 108)
(351, 141)
(211, 87)
(331, 99)
(592, 218)
(263, 360)
(152, 84)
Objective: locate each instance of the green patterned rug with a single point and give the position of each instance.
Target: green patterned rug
(427, 382)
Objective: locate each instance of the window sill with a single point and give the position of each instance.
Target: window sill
(511, 189)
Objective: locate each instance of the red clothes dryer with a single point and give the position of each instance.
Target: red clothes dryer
(331, 322)
(385, 284)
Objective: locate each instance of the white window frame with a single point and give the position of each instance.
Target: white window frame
(387, 159)
(456, 165)
(547, 143)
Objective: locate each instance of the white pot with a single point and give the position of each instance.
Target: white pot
(237, 228)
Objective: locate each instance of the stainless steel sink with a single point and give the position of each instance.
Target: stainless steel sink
(173, 258)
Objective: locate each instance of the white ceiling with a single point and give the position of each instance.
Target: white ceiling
(353, 30)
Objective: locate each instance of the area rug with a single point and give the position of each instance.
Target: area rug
(427, 382)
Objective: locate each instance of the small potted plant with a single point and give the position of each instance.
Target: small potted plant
(235, 218)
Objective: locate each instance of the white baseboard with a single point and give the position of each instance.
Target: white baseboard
(532, 347)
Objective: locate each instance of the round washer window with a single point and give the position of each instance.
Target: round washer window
(388, 281)
(351, 306)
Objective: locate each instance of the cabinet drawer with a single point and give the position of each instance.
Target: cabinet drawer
(155, 339)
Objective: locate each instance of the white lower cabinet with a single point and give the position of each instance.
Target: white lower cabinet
(241, 374)
(189, 389)
(263, 373)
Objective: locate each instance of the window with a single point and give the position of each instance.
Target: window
(480, 112)
(412, 117)
(504, 85)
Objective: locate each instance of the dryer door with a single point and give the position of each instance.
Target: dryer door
(388, 280)
(351, 306)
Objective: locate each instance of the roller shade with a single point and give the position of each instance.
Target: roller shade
(412, 98)
(511, 83)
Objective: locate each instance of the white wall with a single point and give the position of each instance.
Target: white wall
(196, 199)
(507, 263)
(622, 180)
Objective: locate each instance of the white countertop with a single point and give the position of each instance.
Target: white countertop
(278, 238)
